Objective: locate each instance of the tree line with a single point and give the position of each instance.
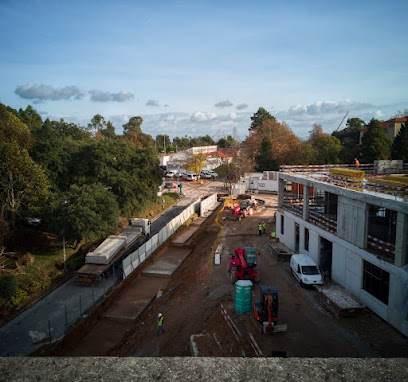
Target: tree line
(271, 143)
(78, 180)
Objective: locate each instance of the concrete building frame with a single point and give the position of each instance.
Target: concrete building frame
(350, 257)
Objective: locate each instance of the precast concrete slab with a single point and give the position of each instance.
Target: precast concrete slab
(135, 299)
(168, 263)
(186, 235)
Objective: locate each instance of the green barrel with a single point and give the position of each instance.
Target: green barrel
(243, 296)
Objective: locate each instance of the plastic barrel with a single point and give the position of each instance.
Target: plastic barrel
(243, 296)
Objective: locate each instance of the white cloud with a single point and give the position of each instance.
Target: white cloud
(203, 117)
(329, 114)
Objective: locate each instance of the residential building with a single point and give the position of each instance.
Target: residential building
(357, 234)
(391, 128)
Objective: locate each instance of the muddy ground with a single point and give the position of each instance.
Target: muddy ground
(193, 307)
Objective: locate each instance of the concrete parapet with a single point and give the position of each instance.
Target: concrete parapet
(204, 369)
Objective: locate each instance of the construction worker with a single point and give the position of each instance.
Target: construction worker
(264, 227)
(273, 235)
(356, 163)
(160, 324)
(260, 229)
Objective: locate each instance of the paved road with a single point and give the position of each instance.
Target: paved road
(63, 306)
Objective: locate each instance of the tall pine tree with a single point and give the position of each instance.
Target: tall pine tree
(266, 161)
(399, 149)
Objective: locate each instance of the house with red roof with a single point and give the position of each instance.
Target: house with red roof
(391, 128)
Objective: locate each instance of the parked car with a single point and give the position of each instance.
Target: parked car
(171, 174)
(191, 177)
(168, 185)
(204, 174)
(305, 270)
(213, 174)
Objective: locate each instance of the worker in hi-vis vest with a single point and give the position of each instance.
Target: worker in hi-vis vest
(273, 234)
(260, 229)
(160, 327)
(264, 227)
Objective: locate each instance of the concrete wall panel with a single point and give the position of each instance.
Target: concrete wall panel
(339, 264)
(351, 221)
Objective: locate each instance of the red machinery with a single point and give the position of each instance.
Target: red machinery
(266, 310)
(239, 268)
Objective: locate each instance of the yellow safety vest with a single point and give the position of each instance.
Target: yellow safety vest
(161, 321)
(273, 234)
(260, 227)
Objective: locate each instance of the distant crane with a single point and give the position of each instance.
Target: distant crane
(345, 115)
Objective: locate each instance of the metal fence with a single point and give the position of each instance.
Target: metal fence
(137, 257)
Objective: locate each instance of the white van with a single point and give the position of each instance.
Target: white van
(305, 270)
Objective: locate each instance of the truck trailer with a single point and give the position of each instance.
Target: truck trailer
(109, 254)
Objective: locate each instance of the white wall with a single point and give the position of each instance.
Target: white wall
(207, 204)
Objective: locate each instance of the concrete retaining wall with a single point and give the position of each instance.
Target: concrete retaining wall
(137, 257)
(207, 204)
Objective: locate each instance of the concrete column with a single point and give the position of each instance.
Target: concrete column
(306, 196)
(281, 189)
(401, 240)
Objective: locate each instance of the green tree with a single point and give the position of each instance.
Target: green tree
(327, 149)
(132, 174)
(266, 161)
(12, 129)
(374, 144)
(134, 125)
(163, 143)
(399, 149)
(23, 184)
(86, 212)
(8, 286)
(227, 142)
(31, 118)
(259, 117)
(180, 144)
(108, 130)
(350, 140)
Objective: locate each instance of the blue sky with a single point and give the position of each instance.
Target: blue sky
(195, 68)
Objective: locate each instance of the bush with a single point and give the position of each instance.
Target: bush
(8, 286)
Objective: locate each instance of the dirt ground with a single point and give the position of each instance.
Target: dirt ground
(192, 306)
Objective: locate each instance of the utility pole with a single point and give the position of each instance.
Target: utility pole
(164, 143)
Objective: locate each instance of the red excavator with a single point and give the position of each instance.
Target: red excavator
(266, 310)
(240, 268)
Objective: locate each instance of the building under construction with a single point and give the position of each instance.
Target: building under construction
(355, 226)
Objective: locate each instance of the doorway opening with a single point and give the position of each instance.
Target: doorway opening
(326, 254)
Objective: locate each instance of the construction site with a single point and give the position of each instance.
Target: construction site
(190, 281)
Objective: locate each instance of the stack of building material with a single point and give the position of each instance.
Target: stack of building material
(347, 173)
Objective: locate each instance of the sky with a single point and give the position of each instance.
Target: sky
(205, 67)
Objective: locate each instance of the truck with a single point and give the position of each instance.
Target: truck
(108, 256)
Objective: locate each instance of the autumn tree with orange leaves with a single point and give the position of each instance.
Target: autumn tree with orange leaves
(286, 146)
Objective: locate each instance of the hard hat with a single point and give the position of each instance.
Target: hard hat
(160, 315)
